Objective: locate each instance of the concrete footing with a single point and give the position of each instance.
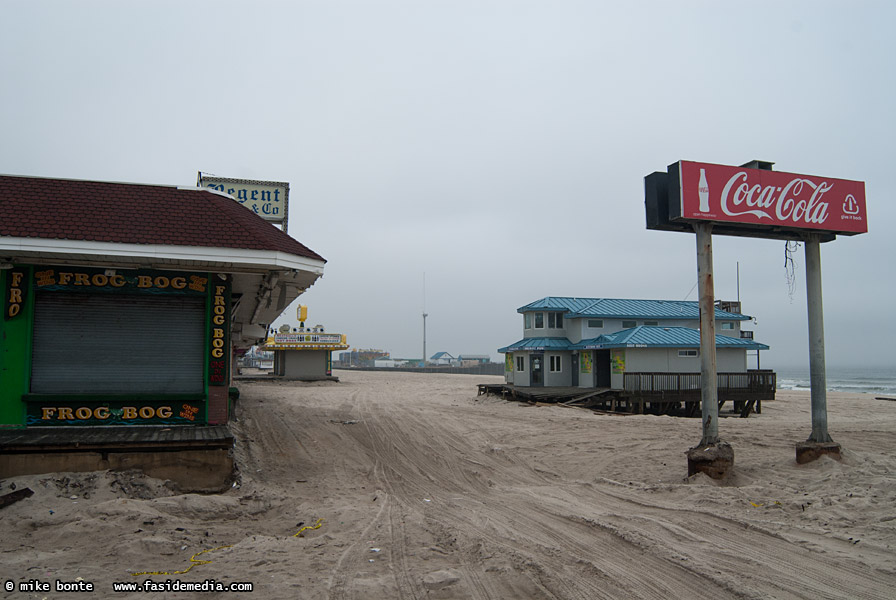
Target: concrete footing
(714, 460)
(808, 451)
(195, 459)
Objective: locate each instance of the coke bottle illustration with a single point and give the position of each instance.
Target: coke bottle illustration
(703, 192)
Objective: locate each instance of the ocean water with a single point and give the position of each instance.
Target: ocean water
(864, 380)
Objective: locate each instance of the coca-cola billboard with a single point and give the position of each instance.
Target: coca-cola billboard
(762, 199)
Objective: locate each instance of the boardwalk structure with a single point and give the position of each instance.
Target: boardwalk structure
(653, 393)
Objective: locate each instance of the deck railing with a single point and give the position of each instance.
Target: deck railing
(751, 382)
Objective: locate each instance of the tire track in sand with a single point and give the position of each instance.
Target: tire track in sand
(576, 541)
(427, 464)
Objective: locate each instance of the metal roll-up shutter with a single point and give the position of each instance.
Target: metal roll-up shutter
(113, 343)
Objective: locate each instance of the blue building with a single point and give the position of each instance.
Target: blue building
(625, 344)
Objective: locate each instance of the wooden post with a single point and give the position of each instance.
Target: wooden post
(708, 383)
(712, 457)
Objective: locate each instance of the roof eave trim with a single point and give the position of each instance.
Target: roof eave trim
(155, 253)
(641, 346)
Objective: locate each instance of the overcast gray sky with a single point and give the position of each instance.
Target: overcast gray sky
(498, 146)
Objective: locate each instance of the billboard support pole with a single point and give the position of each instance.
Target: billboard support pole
(709, 397)
(754, 201)
(816, 342)
(819, 441)
(712, 457)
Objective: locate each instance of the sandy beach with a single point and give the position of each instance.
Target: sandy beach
(403, 485)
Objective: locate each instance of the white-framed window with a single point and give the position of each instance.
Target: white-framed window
(527, 320)
(652, 323)
(689, 353)
(726, 325)
(629, 324)
(555, 320)
(520, 363)
(555, 364)
(539, 320)
(595, 323)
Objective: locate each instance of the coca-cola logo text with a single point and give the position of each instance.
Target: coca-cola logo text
(759, 202)
(800, 201)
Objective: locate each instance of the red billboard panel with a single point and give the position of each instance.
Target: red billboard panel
(758, 198)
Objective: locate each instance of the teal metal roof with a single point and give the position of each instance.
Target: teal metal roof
(544, 343)
(662, 337)
(609, 308)
(558, 303)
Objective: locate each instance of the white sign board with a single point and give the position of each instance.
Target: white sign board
(267, 199)
(307, 338)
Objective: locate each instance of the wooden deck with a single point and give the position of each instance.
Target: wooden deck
(671, 393)
(676, 394)
(597, 399)
(542, 394)
(99, 439)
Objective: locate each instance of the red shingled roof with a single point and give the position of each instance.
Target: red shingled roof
(129, 213)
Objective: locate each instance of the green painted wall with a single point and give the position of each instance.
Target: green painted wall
(15, 365)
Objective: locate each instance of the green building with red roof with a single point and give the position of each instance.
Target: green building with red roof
(124, 304)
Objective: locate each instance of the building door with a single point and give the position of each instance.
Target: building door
(602, 368)
(575, 370)
(118, 344)
(536, 370)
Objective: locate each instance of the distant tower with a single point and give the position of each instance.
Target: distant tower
(424, 338)
(423, 364)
